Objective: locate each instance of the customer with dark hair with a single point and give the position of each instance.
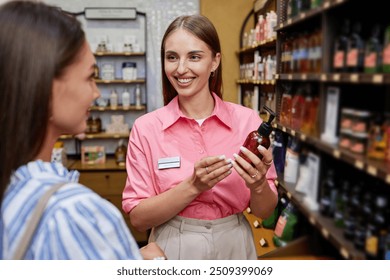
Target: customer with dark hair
(181, 180)
(46, 89)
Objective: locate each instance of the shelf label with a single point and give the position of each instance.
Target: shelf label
(388, 179)
(326, 4)
(344, 253)
(325, 232)
(336, 153)
(276, 183)
(372, 170)
(289, 76)
(359, 164)
(283, 129)
(110, 13)
(336, 77)
(304, 76)
(323, 77)
(354, 78)
(289, 21)
(312, 220)
(289, 195)
(377, 79)
(303, 137)
(292, 132)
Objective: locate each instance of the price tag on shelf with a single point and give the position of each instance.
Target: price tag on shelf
(283, 129)
(292, 132)
(289, 195)
(388, 179)
(377, 79)
(344, 253)
(354, 78)
(359, 164)
(302, 15)
(372, 170)
(303, 137)
(312, 220)
(336, 77)
(289, 21)
(289, 76)
(325, 232)
(326, 4)
(336, 153)
(304, 76)
(323, 77)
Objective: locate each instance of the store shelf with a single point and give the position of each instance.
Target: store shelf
(376, 168)
(138, 81)
(120, 54)
(110, 165)
(324, 225)
(118, 109)
(102, 135)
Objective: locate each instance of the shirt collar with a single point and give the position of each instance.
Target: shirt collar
(171, 113)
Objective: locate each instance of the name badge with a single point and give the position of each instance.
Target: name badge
(171, 162)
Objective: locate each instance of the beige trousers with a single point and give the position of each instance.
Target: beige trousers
(229, 238)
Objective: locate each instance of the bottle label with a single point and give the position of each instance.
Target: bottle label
(370, 60)
(386, 55)
(352, 57)
(372, 245)
(282, 221)
(338, 61)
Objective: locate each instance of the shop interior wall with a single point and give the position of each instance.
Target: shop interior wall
(228, 16)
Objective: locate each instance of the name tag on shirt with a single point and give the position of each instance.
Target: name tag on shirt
(171, 162)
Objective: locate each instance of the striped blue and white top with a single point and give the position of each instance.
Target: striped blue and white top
(77, 223)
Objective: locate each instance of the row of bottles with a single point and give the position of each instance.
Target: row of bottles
(126, 99)
(263, 68)
(302, 52)
(295, 7)
(299, 109)
(355, 54)
(361, 212)
(263, 31)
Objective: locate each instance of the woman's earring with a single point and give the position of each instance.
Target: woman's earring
(212, 74)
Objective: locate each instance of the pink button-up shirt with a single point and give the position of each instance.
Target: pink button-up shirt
(166, 133)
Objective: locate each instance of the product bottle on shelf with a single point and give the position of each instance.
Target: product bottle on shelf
(386, 51)
(138, 96)
(328, 194)
(373, 52)
(340, 48)
(377, 229)
(259, 136)
(126, 99)
(341, 202)
(285, 107)
(120, 153)
(362, 219)
(285, 227)
(297, 104)
(113, 100)
(355, 53)
(352, 210)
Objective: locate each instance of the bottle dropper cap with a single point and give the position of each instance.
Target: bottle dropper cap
(265, 128)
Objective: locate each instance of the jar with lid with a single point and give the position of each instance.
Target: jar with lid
(129, 70)
(359, 143)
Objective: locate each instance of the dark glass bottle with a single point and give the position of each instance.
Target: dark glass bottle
(328, 194)
(340, 48)
(373, 52)
(352, 209)
(259, 136)
(377, 229)
(355, 54)
(364, 214)
(341, 203)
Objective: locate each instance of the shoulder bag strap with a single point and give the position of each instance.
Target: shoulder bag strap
(31, 226)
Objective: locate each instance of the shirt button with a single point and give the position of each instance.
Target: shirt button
(208, 226)
(201, 151)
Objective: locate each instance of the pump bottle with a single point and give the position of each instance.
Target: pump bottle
(259, 137)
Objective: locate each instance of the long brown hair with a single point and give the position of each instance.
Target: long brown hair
(201, 27)
(37, 42)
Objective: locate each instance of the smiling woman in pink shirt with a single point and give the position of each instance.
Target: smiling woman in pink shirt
(185, 180)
